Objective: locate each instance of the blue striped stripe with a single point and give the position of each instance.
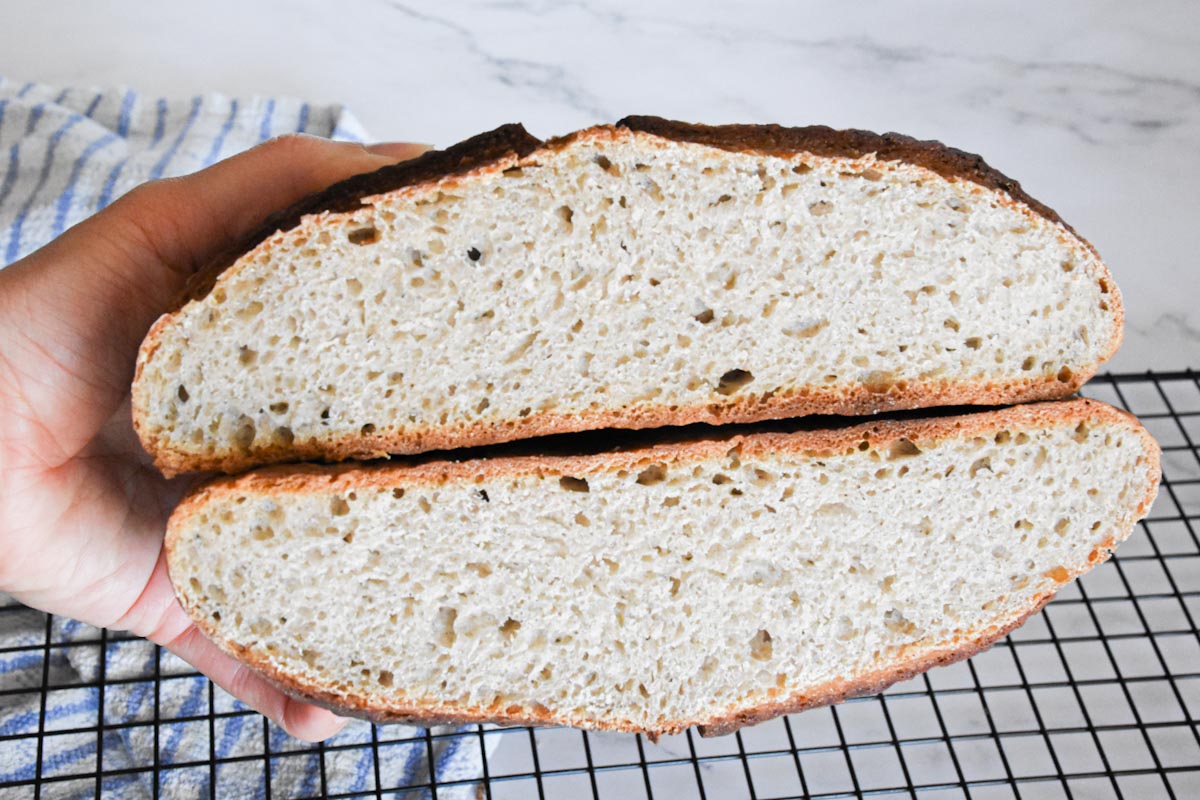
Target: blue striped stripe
(19, 723)
(126, 114)
(219, 142)
(447, 753)
(21, 661)
(57, 761)
(91, 109)
(160, 122)
(161, 166)
(233, 732)
(58, 101)
(362, 769)
(25, 89)
(309, 787)
(264, 130)
(412, 762)
(10, 175)
(64, 201)
(35, 116)
(302, 123)
(14, 237)
(3, 105)
(24, 772)
(191, 705)
(110, 184)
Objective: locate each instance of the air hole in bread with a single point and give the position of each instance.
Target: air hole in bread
(279, 408)
(903, 448)
(338, 506)
(980, 464)
(806, 329)
(182, 393)
(570, 484)
(444, 626)
(603, 162)
(733, 381)
(655, 473)
(509, 629)
(361, 236)
(566, 215)
(880, 381)
(1065, 375)
(244, 433)
(474, 254)
(974, 342)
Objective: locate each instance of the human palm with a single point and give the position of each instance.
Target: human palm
(82, 509)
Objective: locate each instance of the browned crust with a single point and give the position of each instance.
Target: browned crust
(819, 443)
(854, 400)
(821, 140)
(467, 156)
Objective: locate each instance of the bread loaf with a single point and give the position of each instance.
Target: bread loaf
(712, 582)
(638, 275)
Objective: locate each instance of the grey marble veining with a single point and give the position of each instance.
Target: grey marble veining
(1093, 106)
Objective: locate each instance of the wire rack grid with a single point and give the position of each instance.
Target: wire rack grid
(1096, 697)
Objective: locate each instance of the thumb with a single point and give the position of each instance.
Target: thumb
(81, 305)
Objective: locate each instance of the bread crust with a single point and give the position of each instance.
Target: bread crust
(511, 145)
(814, 443)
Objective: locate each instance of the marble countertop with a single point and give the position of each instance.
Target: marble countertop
(1093, 106)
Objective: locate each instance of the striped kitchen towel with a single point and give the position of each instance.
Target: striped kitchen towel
(119, 710)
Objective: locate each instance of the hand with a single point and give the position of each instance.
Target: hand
(82, 511)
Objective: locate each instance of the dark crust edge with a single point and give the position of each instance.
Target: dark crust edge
(821, 140)
(347, 195)
(512, 139)
(818, 443)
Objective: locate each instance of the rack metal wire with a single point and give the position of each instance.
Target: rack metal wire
(1097, 697)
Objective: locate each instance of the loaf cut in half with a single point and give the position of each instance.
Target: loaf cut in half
(713, 582)
(638, 275)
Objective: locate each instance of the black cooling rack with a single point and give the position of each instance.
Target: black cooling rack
(1097, 697)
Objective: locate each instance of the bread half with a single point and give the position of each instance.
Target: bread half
(714, 582)
(638, 275)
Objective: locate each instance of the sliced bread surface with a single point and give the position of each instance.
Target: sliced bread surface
(638, 275)
(715, 582)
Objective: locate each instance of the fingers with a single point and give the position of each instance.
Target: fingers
(301, 720)
(186, 221)
(400, 151)
(158, 616)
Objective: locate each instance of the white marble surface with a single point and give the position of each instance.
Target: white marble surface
(1094, 106)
